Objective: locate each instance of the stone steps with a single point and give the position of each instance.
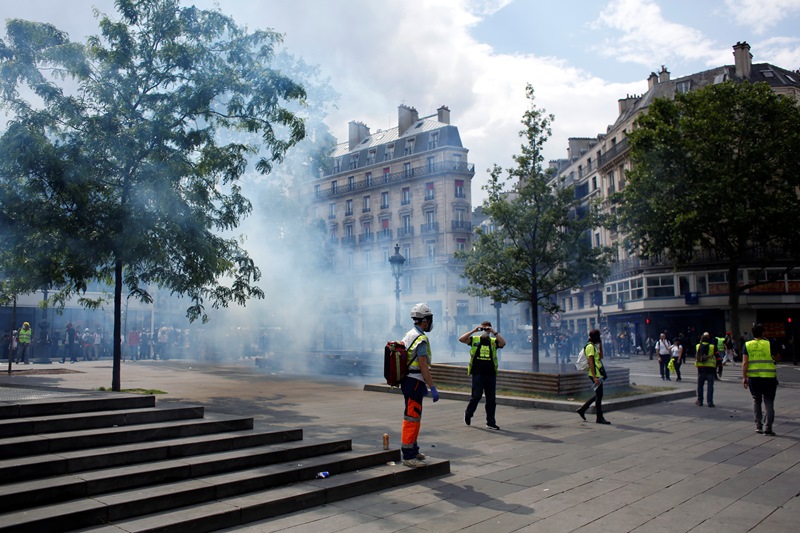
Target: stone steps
(120, 463)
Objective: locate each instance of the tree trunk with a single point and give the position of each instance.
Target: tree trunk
(733, 301)
(13, 327)
(117, 366)
(534, 336)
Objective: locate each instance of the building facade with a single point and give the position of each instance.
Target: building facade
(408, 186)
(644, 297)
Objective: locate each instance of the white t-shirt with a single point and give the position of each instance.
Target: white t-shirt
(676, 350)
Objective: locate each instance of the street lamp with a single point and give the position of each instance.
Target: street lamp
(397, 262)
(497, 306)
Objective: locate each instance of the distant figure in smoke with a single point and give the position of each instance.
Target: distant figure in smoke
(87, 340)
(162, 342)
(414, 385)
(24, 347)
(70, 336)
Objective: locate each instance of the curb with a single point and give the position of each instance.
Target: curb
(616, 404)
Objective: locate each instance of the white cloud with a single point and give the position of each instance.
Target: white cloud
(644, 36)
(761, 15)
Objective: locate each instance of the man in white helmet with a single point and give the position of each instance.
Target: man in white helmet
(414, 385)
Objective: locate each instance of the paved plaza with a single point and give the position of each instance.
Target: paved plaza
(670, 466)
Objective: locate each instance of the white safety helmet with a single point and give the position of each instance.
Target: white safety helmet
(421, 311)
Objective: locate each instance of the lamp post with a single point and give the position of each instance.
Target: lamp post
(397, 262)
(497, 306)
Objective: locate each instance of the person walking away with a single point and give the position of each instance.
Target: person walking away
(594, 355)
(760, 376)
(720, 342)
(705, 360)
(677, 354)
(134, 339)
(483, 361)
(663, 349)
(414, 384)
(87, 340)
(24, 343)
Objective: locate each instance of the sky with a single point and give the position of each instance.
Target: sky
(476, 56)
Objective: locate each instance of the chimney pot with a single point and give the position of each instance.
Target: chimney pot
(743, 59)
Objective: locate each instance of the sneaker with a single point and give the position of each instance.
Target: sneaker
(769, 432)
(413, 463)
(759, 429)
(711, 405)
(467, 419)
(698, 403)
(421, 456)
(493, 426)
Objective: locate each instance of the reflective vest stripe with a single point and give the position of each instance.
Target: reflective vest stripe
(759, 360)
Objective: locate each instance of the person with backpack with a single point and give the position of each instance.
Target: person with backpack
(705, 360)
(414, 384)
(597, 373)
(484, 343)
(760, 376)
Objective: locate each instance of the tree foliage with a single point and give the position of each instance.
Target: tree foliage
(539, 243)
(112, 166)
(715, 177)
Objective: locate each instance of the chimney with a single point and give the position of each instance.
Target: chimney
(663, 75)
(652, 80)
(626, 103)
(406, 116)
(358, 132)
(443, 114)
(743, 59)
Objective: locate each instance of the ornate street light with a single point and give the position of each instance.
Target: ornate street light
(397, 262)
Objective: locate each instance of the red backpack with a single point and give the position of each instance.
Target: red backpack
(395, 362)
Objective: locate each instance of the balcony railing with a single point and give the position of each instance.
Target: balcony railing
(427, 170)
(348, 240)
(429, 228)
(461, 225)
(616, 150)
(366, 237)
(405, 232)
(384, 235)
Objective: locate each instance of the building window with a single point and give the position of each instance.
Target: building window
(332, 210)
(660, 286)
(385, 200)
(386, 175)
(612, 185)
(637, 289)
(430, 286)
(368, 178)
(594, 183)
(407, 168)
(683, 86)
(431, 247)
(371, 157)
(597, 240)
(353, 161)
(407, 285)
(348, 208)
(433, 142)
(389, 154)
(461, 245)
(316, 190)
(351, 183)
(334, 186)
(459, 191)
(337, 165)
(431, 163)
(348, 230)
(409, 148)
(368, 260)
(406, 196)
(365, 206)
(406, 220)
(429, 191)
(430, 217)
(407, 252)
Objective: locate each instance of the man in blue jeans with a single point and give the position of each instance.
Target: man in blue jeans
(484, 343)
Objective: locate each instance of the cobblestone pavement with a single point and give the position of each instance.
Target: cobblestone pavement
(668, 467)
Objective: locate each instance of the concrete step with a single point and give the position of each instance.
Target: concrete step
(30, 445)
(121, 505)
(239, 510)
(82, 404)
(48, 465)
(35, 425)
(89, 484)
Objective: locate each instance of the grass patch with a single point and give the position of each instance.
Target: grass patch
(610, 393)
(134, 391)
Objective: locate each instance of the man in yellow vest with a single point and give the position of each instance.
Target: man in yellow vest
(760, 376)
(414, 384)
(706, 363)
(484, 343)
(24, 347)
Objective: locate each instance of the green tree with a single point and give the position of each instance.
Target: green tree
(715, 178)
(112, 167)
(540, 243)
